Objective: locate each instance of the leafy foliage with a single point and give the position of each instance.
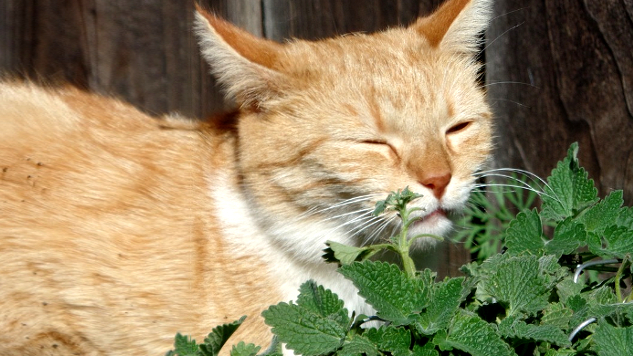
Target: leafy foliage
(524, 301)
(488, 214)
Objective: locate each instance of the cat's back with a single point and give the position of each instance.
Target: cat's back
(66, 145)
(104, 224)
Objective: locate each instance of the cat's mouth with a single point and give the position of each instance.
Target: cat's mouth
(435, 223)
(437, 214)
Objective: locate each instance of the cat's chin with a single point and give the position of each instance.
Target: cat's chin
(436, 223)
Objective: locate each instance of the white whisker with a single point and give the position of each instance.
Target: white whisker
(509, 82)
(378, 231)
(339, 205)
(501, 35)
(525, 187)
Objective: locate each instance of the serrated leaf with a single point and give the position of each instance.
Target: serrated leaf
(525, 233)
(569, 235)
(243, 349)
(551, 270)
(618, 242)
(557, 315)
(613, 341)
(603, 303)
(471, 334)
(580, 308)
(303, 330)
(427, 350)
(184, 346)
(445, 300)
(347, 254)
(517, 282)
(625, 217)
(516, 328)
(560, 352)
(389, 290)
(570, 189)
(218, 337)
(389, 338)
(567, 288)
(604, 214)
(380, 207)
(322, 302)
(358, 345)
(274, 349)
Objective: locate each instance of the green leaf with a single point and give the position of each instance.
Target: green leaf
(471, 334)
(315, 325)
(613, 341)
(347, 254)
(274, 349)
(358, 345)
(446, 298)
(567, 289)
(569, 235)
(604, 214)
(184, 346)
(557, 315)
(384, 286)
(218, 337)
(243, 349)
(618, 242)
(516, 328)
(381, 205)
(517, 282)
(389, 338)
(580, 308)
(560, 352)
(427, 350)
(625, 217)
(525, 234)
(304, 331)
(570, 190)
(322, 302)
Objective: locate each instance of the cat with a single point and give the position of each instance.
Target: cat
(118, 230)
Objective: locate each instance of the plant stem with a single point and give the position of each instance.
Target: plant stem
(618, 277)
(404, 244)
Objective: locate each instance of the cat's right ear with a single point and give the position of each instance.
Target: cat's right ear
(245, 65)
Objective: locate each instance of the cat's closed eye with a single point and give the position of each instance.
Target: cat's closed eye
(459, 127)
(380, 142)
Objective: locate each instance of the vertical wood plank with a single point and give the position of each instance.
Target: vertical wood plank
(560, 72)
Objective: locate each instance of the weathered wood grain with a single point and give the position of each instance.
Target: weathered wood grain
(559, 72)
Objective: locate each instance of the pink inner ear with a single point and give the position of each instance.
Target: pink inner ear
(435, 26)
(257, 50)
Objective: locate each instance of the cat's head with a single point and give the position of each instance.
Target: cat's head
(328, 128)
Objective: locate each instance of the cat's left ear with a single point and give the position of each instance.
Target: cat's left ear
(245, 65)
(456, 25)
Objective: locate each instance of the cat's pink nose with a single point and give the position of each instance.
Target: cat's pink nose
(437, 183)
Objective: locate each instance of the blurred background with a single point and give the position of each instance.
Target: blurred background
(557, 71)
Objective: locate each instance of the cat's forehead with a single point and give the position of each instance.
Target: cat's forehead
(392, 74)
(392, 61)
(357, 51)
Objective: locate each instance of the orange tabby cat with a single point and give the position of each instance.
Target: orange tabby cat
(118, 230)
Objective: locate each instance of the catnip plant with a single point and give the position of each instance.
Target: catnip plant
(533, 298)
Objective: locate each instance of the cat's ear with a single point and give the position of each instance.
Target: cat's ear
(242, 63)
(456, 25)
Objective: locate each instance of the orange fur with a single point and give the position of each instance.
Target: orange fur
(118, 230)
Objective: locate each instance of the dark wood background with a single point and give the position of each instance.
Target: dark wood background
(558, 71)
